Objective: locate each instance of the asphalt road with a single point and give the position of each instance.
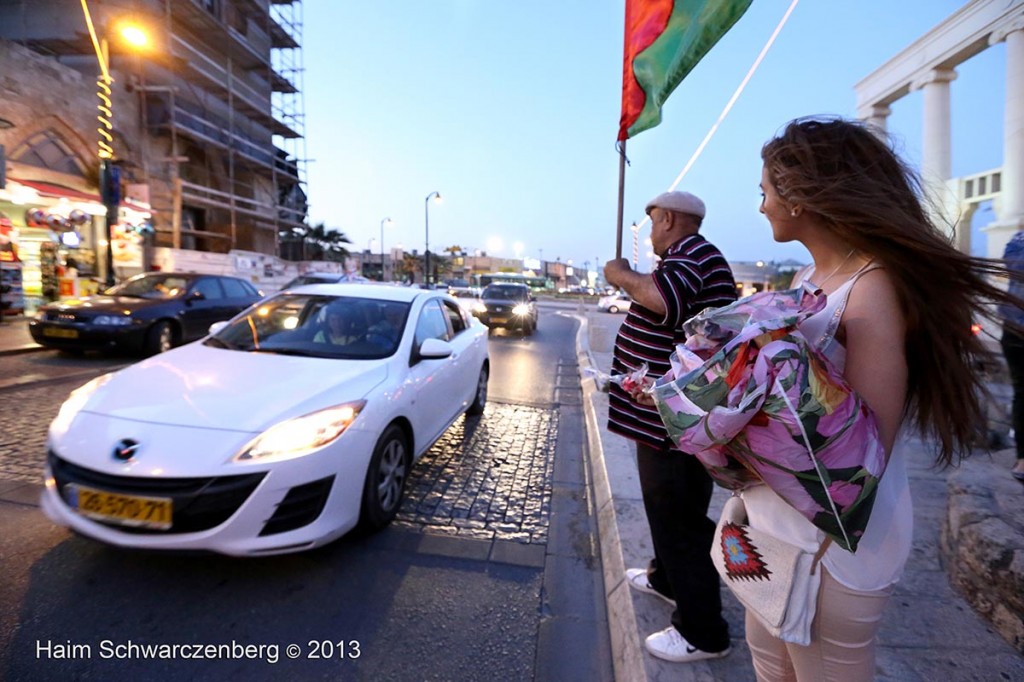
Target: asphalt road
(512, 593)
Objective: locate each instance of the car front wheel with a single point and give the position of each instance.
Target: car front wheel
(385, 479)
(160, 338)
(480, 399)
(613, 309)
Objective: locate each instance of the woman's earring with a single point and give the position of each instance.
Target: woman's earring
(794, 212)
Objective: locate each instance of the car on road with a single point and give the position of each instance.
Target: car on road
(281, 431)
(507, 305)
(615, 303)
(324, 278)
(468, 298)
(149, 313)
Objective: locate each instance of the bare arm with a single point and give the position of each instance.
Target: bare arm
(640, 286)
(876, 363)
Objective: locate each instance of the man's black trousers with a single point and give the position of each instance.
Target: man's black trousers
(676, 491)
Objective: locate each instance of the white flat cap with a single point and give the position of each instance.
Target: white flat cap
(684, 202)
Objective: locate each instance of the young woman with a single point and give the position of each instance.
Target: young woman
(901, 301)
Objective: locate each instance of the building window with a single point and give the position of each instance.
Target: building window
(48, 150)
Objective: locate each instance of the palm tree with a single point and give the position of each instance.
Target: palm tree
(319, 242)
(326, 243)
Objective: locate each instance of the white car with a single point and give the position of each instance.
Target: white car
(614, 303)
(277, 433)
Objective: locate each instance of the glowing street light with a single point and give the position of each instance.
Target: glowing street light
(426, 221)
(386, 221)
(134, 35)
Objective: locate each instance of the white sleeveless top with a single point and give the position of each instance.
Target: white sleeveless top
(883, 549)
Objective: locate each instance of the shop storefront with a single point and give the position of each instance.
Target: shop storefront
(58, 243)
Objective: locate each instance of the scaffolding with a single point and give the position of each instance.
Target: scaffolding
(235, 121)
(219, 140)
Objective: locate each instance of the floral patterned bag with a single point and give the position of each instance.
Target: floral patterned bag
(752, 399)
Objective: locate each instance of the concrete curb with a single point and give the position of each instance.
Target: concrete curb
(627, 650)
(19, 350)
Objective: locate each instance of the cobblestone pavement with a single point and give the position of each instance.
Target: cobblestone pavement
(24, 417)
(488, 477)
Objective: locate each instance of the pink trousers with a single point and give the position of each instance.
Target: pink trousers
(842, 645)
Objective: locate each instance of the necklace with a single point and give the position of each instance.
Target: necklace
(821, 284)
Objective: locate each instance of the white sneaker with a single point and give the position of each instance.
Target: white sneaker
(637, 579)
(672, 646)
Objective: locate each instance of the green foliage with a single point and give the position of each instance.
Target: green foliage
(319, 242)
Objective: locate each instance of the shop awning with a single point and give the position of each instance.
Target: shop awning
(49, 189)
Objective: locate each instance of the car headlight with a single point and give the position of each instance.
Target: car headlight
(521, 309)
(74, 404)
(112, 320)
(478, 307)
(301, 435)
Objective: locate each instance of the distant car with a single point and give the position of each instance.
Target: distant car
(149, 313)
(614, 303)
(280, 432)
(511, 306)
(468, 298)
(324, 278)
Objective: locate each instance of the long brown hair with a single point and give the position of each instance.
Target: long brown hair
(853, 180)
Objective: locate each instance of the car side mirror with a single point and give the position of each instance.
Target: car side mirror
(435, 349)
(196, 296)
(217, 326)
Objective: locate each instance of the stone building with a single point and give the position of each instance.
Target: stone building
(207, 119)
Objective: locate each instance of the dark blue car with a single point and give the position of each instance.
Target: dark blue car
(148, 313)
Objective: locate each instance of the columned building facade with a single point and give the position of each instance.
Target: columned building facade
(929, 65)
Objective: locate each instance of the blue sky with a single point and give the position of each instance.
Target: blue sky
(510, 109)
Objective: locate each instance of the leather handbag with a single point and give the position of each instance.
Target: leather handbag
(777, 582)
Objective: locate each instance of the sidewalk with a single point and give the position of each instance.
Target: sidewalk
(929, 631)
(14, 336)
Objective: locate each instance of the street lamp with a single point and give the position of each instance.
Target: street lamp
(110, 173)
(382, 223)
(426, 221)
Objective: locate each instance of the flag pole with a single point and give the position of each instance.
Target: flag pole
(622, 192)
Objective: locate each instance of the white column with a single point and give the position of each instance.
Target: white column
(1011, 203)
(936, 155)
(877, 116)
(936, 158)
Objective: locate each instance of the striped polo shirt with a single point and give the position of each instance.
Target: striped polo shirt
(692, 275)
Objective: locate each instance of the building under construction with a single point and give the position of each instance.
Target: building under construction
(206, 119)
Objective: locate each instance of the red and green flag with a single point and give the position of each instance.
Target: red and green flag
(665, 39)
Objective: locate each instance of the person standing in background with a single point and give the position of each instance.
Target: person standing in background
(1012, 342)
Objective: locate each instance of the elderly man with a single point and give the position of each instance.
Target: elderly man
(692, 275)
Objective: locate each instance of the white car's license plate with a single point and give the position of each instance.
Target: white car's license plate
(127, 510)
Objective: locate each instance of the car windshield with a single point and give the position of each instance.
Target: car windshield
(508, 292)
(151, 286)
(344, 327)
